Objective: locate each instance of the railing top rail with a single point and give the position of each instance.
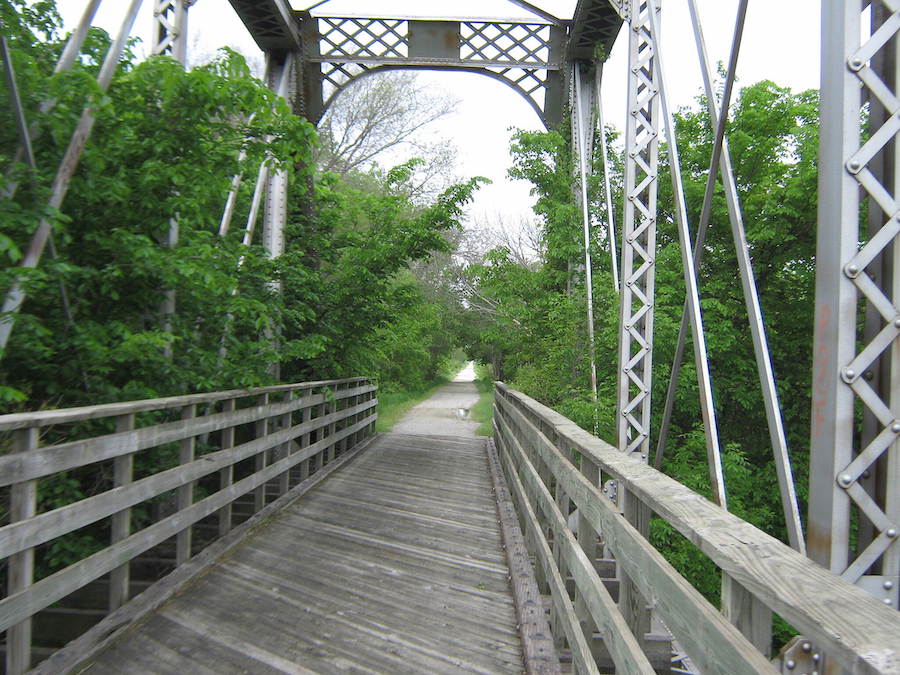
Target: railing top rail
(45, 418)
(842, 619)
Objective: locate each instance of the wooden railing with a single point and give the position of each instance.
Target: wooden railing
(554, 467)
(151, 471)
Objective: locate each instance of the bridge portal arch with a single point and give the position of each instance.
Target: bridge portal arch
(527, 56)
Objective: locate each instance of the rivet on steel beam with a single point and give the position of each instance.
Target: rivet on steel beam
(845, 480)
(852, 270)
(888, 584)
(816, 657)
(887, 601)
(868, 375)
(853, 166)
(806, 647)
(891, 532)
(895, 427)
(866, 474)
(790, 664)
(848, 375)
(856, 64)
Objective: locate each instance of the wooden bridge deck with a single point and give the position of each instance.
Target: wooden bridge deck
(393, 564)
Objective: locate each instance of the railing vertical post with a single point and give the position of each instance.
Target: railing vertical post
(285, 448)
(185, 492)
(747, 613)
(23, 504)
(587, 539)
(226, 475)
(123, 472)
(330, 408)
(262, 430)
(631, 603)
(304, 439)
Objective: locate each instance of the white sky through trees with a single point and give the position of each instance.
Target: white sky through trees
(781, 43)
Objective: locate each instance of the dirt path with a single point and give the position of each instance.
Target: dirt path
(446, 413)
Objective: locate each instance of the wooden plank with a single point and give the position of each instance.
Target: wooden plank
(226, 474)
(537, 641)
(693, 621)
(260, 431)
(748, 614)
(385, 607)
(47, 526)
(185, 495)
(19, 606)
(46, 418)
(120, 526)
(22, 505)
(853, 628)
(339, 603)
(622, 644)
(78, 652)
(65, 456)
(581, 652)
(632, 602)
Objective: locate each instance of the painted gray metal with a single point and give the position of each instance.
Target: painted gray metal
(642, 127)
(858, 65)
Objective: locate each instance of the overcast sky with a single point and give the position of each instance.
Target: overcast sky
(781, 43)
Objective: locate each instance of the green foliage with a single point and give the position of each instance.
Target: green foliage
(165, 147)
(529, 320)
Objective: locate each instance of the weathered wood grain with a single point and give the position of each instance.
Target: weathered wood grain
(581, 651)
(537, 641)
(622, 644)
(47, 526)
(326, 585)
(694, 622)
(852, 627)
(65, 456)
(18, 606)
(129, 618)
(46, 418)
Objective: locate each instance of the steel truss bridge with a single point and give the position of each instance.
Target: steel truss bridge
(393, 529)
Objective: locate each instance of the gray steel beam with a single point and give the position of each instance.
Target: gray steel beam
(273, 24)
(594, 22)
(851, 167)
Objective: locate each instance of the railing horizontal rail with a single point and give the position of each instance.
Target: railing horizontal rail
(44, 418)
(42, 528)
(851, 628)
(54, 458)
(251, 445)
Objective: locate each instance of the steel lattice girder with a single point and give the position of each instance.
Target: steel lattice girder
(639, 236)
(528, 56)
(858, 271)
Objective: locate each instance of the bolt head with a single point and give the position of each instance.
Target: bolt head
(851, 270)
(895, 427)
(891, 532)
(790, 664)
(845, 480)
(848, 375)
(855, 63)
(806, 647)
(888, 602)
(854, 165)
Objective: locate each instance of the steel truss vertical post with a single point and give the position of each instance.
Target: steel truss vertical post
(639, 236)
(582, 141)
(170, 37)
(281, 76)
(854, 71)
(170, 28)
